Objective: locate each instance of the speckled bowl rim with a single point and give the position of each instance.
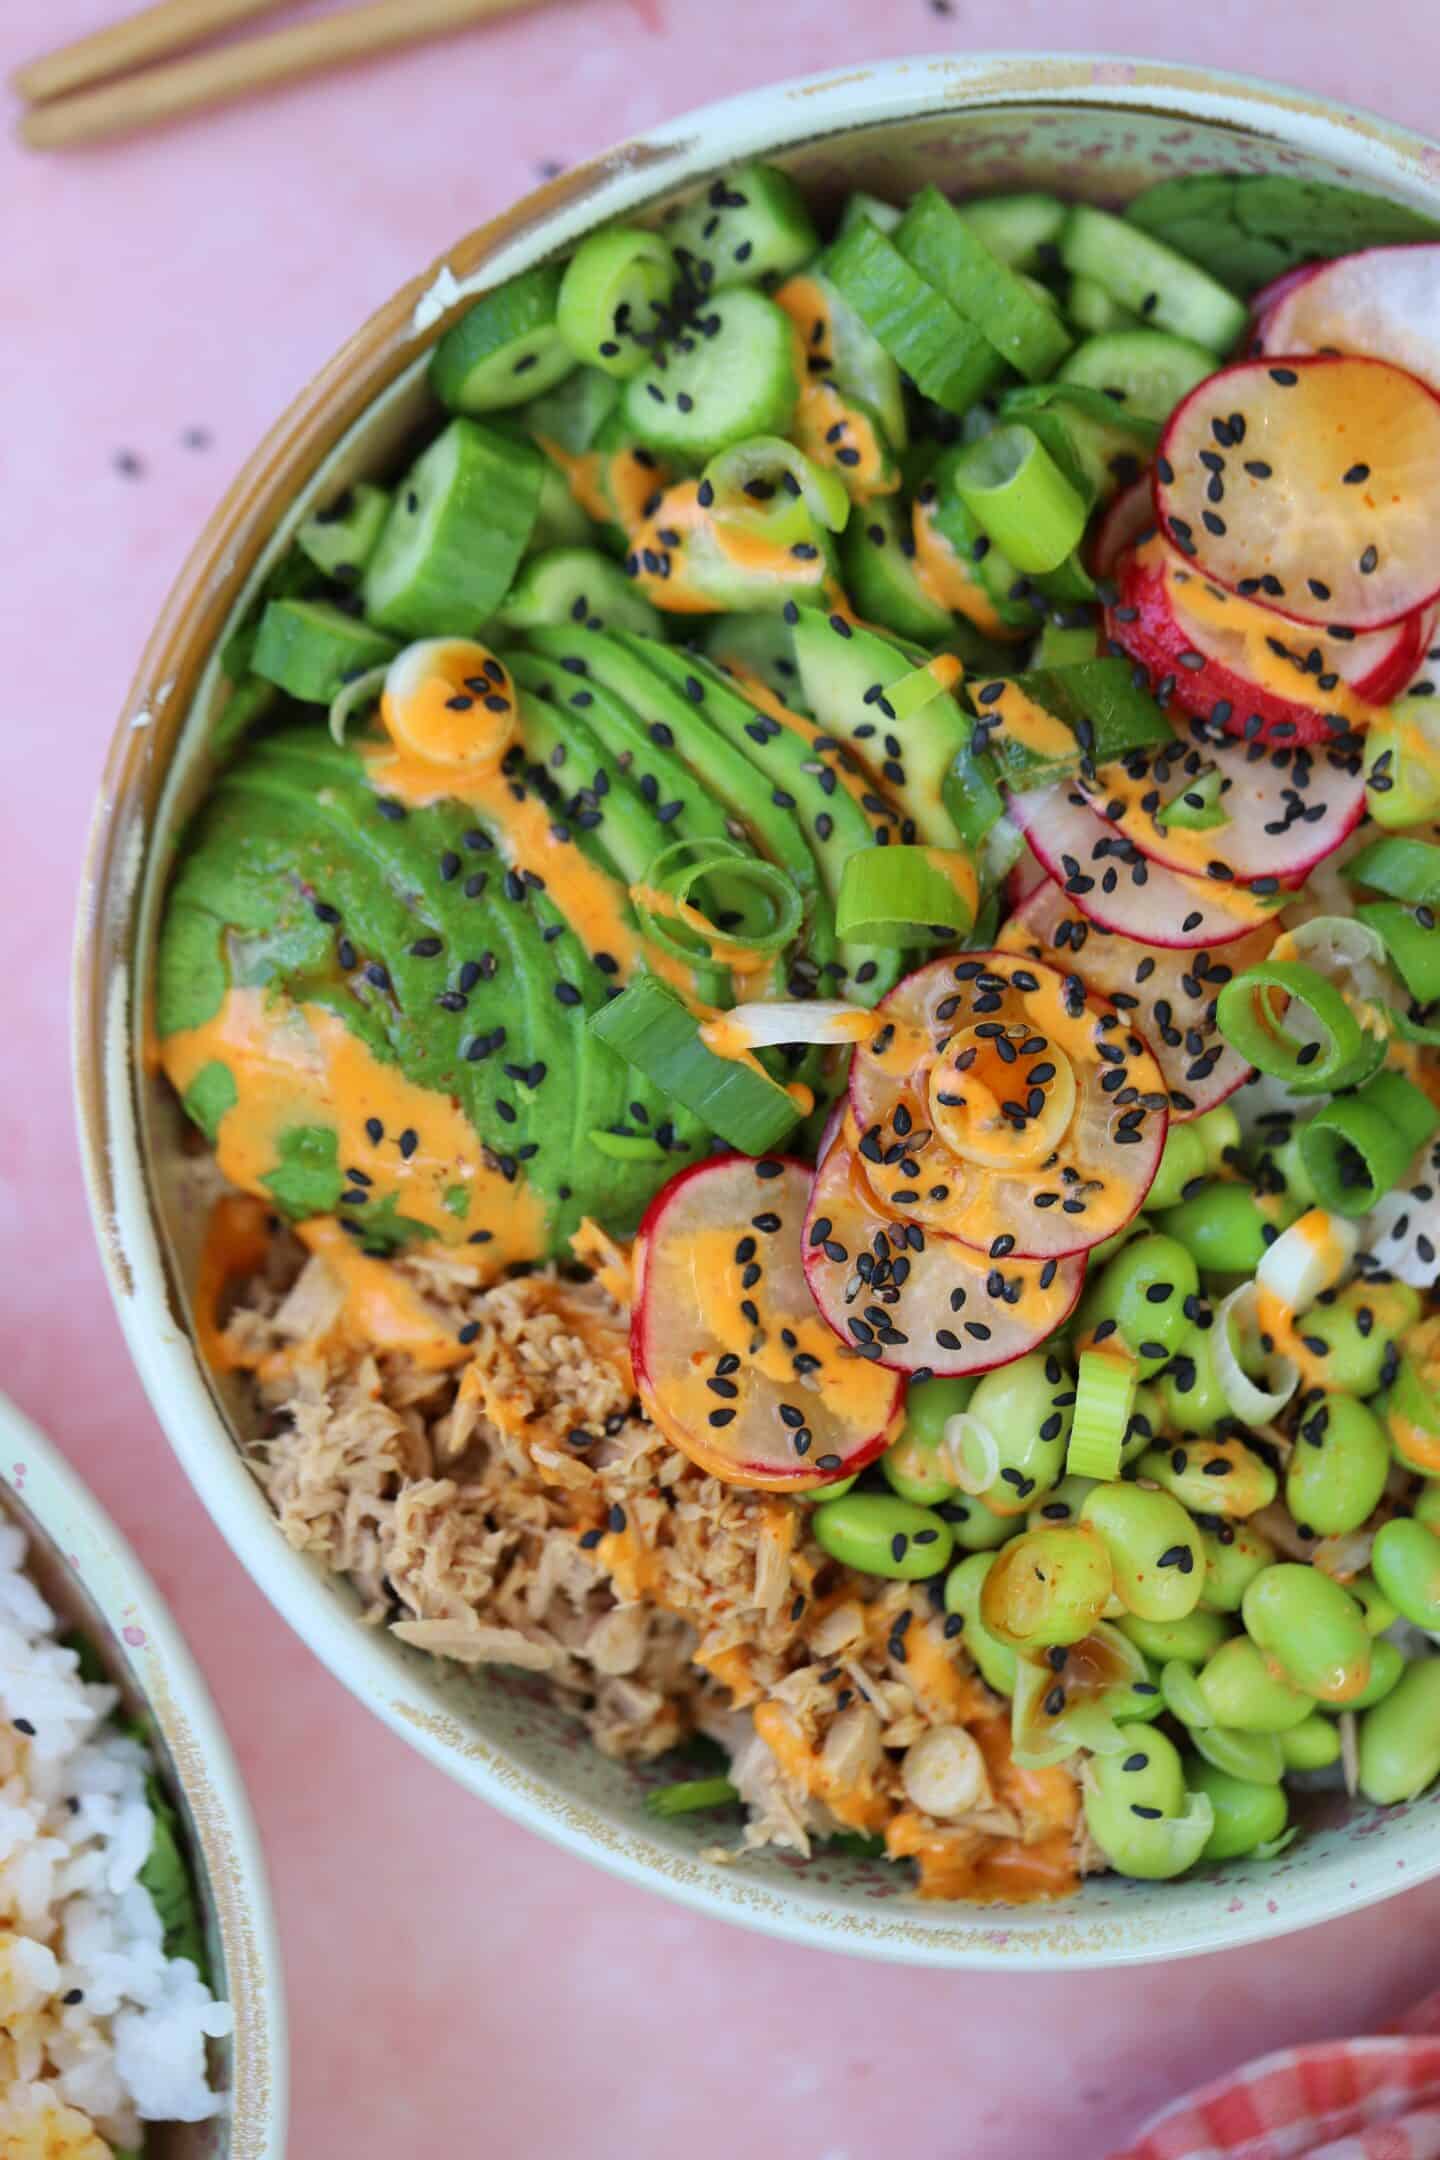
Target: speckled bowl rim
(167, 1678)
(786, 117)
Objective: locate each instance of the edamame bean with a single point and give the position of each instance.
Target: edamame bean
(1139, 1302)
(910, 1469)
(1218, 1130)
(1046, 1587)
(884, 1536)
(1254, 1756)
(1183, 1698)
(1154, 1549)
(1234, 1556)
(1192, 1640)
(995, 1661)
(1400, 1737)
(1183, 1162)
(1377, 1608)
(1287, 1166)
(1145, 1702)
(1221, 1227)
(1212, 1476)
(1147, 1418)
(817, 1494)
(929, 1404)
(1346, 1343)
(1312, 1628)
(1341, 1460)
(1190, 1384)
(1426, 1505)
(1241, 1691)
(975, 1527)
(1405, 1561)
(1028, 1407)
(1246, 1815)
(1061, 1505)
(1387, 1663)
(910, 1465)
(1313, 1745)
(1138, 1811)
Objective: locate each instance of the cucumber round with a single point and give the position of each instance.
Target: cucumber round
(456, 532)
(577, 585)
(877, 559)
(748, 224)
(617, 283)
(341, 540)
(506, 348)
(311, 649)
(731, 374)
(1145, 372)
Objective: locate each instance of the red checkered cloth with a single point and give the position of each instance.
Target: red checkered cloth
(1369, 2099)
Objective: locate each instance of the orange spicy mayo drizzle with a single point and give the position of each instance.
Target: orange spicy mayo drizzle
(612, 489)
(826, 421)
(949, 580)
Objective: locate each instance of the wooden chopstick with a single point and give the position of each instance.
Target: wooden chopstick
(227, 72)
(170, 26)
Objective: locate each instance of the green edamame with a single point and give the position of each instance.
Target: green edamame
(929, 1404)
(1192, 1640)
(1147, 1418)
(1060, 1505)
(1255, 1756)
(1234, 1556)
(1377, 1608)
(1183, 1698)
(995, 1661)
(1426, 1506)
(1400, 1737)
(1286, 1165)
(1212, 1476)
(1241, 1691)
(1218, 1130)
(1246, 1815)
(1311, 1746)
(1190, 1389)
(1139, 1302)
(1221, 1227)
(884, 1536)
(909, 1465)
(1312, 1628)
(975, 1527)
(1351, 1337)
(1154, 1549)
(1027, 1407)
(1387, 1665)
(1337, 1472)
(1047, 1588)
(1139, 1813)
(1405, 1561)
(1183, 1162)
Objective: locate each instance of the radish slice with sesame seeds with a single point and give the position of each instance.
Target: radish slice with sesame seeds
(731, 1358)
(1265, 305)
(1124, 524)
(1113, 884)
(1226, 660)
(928, 1303)
(1171, 995)
(1003, 1104)
(1383, 302)
(1285, 809)
(1308, 484)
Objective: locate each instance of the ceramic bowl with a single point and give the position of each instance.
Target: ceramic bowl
(1081, 127)
(92, 1580)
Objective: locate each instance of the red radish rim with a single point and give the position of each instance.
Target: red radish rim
(1304, 361)
(1121, 525)
(1273, 329)
(1267, 300)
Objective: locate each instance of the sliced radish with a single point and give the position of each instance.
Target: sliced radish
(1285, 809)
(1022, 880)
(1004, 1106)
(932, 1304)
(1308, 484)
(1171, 995)
(1265, 304)
(1228, 661)
(732, 1360)
(1383, 302)
(1113, 884)
(1129, 518)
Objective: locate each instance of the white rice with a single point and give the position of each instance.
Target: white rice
(99, 2030)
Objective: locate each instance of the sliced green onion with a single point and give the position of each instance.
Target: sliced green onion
(364, 690)
(1402, 764)
(1249, 1402)
(1403, 869)
(652, 1030)
(969, 1453)
(1412, 942)
(615, 285)
(906, 896)
(1246, 1015)
(625, 1147)
(1197, 806)
(677, 869)
(1361, 1145)
(912, 693)
(690, 1796)
(1104, 1399)
(1010, 482)
(1096, 700)
(1415, 1031)
(1309, 1257)
(766, 465)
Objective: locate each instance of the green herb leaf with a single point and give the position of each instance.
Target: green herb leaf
(1248, 228)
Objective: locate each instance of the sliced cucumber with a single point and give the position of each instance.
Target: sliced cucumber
(577, 585)
(455, 534)
(732, 374)
(559, 519)
(504, 349)
(341, 540)
(311, 649)
(1094, 310)
(573, 413)
(749, 224)
(1021, 230)
(1150, 278)
(945, 356)
(840, 349)
(614, 292)
(860, 206)
(1109, 445)
(947, 251)
(877, 558)
(1144, 372)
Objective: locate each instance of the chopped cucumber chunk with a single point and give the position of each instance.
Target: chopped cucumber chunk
(749, 224)
(457, 529)
(731, 376)
(504, 349)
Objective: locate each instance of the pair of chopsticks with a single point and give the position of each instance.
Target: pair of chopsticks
(127, 77)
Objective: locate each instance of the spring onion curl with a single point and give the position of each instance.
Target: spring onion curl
(1309, 1257)
(907, 896)
(1360, 1146)
(749, 474)
(674, 873)
(348, 701)
(1337, 1052)
(1254, 1404)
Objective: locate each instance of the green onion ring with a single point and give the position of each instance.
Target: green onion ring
(1361, 1145)
(348, 700)
(1402, 869)
(670, 874)
(1412, 945)
(1246, 1017)
(894, 896)
(1104, 1399)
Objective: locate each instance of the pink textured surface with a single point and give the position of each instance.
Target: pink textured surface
(456, 1985)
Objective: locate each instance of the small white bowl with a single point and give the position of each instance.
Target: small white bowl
(92, 1580)
(1098, 128)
